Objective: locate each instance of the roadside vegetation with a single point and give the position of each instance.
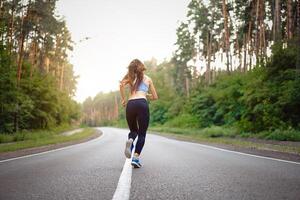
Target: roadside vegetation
(24, 140)
(37, 82)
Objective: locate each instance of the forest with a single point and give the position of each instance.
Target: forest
(236, 70)
(37, 81)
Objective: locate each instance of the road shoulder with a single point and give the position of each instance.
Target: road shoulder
(23, 152)
(256, 149)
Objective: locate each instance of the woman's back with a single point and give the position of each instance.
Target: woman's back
(142, 89)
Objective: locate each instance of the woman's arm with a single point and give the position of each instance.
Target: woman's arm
(153, 95)
(123, 83)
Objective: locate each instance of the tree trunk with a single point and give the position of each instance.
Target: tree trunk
(21, 51)
(298, 37)
(239, 67)
(230, 62)
(62, 77)
(207, 74)
(222, 46)
(22, 41)
(1, 4)
(187, 86)
(34, 58)
(245, 54)
(46, 64)
(251, 50)
(257, 33)
(289, 23)
(249, 41)
(277, 22)
(11, 28)
(1, 17)
(226, 33)
(214, 75)
(262, 30)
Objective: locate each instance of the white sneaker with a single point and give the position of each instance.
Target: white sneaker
(128, 148)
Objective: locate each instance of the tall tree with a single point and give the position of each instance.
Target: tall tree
(277, 21)
(183, 54)
(289, 23)
(298, 36)
(226, 32)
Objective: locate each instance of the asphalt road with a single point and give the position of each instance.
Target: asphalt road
(171, 170)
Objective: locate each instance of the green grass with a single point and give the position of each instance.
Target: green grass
(282, 135)
(223, 136)
(42, 138)
(121, 123)
(210, 132)
(35, 134)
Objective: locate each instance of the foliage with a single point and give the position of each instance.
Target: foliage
(263, 102)
(184, 120)
(253, 101)
(37, 82)
(102, 109)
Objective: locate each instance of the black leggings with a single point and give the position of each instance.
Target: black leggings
(137, 116)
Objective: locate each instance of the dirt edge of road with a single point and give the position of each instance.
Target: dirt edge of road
(34, 150)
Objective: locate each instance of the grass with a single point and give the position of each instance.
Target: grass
(223, 136)
(121, 123)
(35, 134)
(41, 138)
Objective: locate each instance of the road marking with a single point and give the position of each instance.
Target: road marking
(246, 154)
(230, 151)
(123, 189)
(53, 150)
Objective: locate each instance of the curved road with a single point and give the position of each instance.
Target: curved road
(171, 170)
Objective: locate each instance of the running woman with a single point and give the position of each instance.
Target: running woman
(137, 110)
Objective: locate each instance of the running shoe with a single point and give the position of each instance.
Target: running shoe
(136, 162)
(128, 148)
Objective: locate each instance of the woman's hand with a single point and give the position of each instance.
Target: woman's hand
(149, 96)
(153, 95)
(122, 85)
(123, 102)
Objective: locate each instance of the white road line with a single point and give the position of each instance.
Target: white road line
(245, 154)
(230, 151)
(123, 189)
(59, 149)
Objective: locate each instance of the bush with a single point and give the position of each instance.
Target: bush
(4, 138)
(281, 135)
(218, 131)
(158, 112)
(183, 121)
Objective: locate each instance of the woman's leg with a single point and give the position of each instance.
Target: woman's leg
(132, 124)
(143, 122)
(131, 120)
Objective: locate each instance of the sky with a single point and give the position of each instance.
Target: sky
(119, 31)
